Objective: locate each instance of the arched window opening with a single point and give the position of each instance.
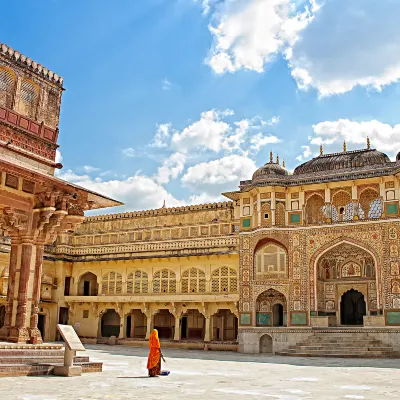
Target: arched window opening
(29, 99)
(111, 283)
(370, 204)
(315, 210)
(164, 281)
(7, 87)
(87, 285)
(271, 309)
(266, 214)
(224, 280)
(271, 259)
(193, 281)
(280, 214)
(342, 207)
(137, 282)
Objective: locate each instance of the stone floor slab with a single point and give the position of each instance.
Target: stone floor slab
(213, 375)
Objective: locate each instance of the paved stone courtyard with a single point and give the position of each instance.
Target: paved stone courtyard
(214, 375)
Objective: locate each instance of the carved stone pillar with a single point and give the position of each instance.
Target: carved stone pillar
(177, 327)
(207, 334)
(35, 335)
(19, 332)
(5, 330)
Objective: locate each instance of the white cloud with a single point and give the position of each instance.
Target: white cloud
(213, 177)
(207, 133)
(89, 169)
(204, 198)
(258, 141)
(129, 152)
(272, 122)
(137, 192)
(162, 136)
(306, 153)
(360, 48)
(171, 168)
(249, 33)
(331, 134)
(59, 157)
(166, 84)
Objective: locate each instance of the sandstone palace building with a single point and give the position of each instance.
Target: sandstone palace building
(286, 254)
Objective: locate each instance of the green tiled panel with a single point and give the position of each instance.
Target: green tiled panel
(246, 223)
(245, 319)
(264, 319)
(392, 209)
(299, 319)
(393, 318)
(295, 218)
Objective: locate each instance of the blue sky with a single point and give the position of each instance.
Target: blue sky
(181, 99)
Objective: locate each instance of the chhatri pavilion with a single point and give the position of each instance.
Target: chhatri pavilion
(289, 254)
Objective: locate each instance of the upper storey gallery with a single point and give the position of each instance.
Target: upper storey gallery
(331, 188)
(29, 88)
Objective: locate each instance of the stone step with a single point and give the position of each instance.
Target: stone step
(371, 343)
(15, 346)
(341, 354)
(30, 360)
(36, 353)
(25, 370)
(340, 348)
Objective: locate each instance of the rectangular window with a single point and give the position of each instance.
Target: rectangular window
(295, 218)
(246, 210)
(266, 215)
(67, 285)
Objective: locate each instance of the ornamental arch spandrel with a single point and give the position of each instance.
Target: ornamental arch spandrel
(332, 244)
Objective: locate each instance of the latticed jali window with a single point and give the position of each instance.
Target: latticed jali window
(29, 99)
(224, 280)
(270, 259)
(315, 210)
(370, 204)
(342, 207)
(7, 87)
(193, 281)
(164, 281)
(280, 214)
(137, 282)
(266, 217)
(111, 283)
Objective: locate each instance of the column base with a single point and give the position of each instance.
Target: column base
(35, 336)
(4, 332)
(18, 335)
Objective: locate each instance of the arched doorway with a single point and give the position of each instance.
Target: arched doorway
(343, 267)
(87, 285)
(164, 322)
(271, 309)
(266, 344)
(352, 308)
(110, 324)
(136, 324)
(277, 313)
(224, 326)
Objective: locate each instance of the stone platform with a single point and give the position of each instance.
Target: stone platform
(39, 359)
(363, 342)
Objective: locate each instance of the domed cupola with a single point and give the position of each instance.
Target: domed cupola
(270, 170)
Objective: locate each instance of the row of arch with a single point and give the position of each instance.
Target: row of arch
(343, 208)
(193, 280)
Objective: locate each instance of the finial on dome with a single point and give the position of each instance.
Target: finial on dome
(321, 150)
(344, 147)
(277, 159)
(368, 143)
(271, 157)
(283, 164)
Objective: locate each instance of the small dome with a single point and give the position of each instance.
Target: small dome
(349, 159)
(269, 170)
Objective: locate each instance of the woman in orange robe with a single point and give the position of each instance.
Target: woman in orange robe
(154, 359)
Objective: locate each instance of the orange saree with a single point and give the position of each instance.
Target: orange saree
(154, 359)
